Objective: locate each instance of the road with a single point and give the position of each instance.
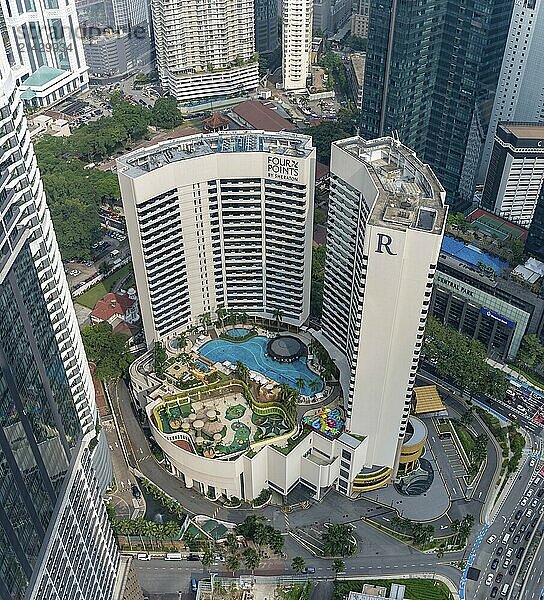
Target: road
(163, 577)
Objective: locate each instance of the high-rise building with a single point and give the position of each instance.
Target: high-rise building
(205, 49)
(44, 49)
(220, 220)
(520, 91)
(360, 18)
(386, 220)
(296, 43)
(267, 26)
(330, 15)
(515, 176)
(55, 539)
(422, 76)
(116, 35)
(535, 239)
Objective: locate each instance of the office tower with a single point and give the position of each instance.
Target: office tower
(330, 15)
(422, 76)
(44, 49)
(386, 221)
(205, 49)
(535, 240)
(220, 220)
(55, 540)
(267, 25)
(116, 35)
(516, 172)
(520, 91)
(360, 18)
(296, 43)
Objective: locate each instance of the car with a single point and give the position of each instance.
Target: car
(529, 514)
(534, 523)
(193, 557)
(136, 491)
(509, 552)
(495, 563)
(220, 558)
(489, 579)
(309, 570)
(534, 503)
(516, 539)
(491, 539)
(523, 502)
(518, 514)
(499, 577)
(529, 493)
(540, 493)
(512, 527)
(520, 552)
(194, 584)
(494, 592)
(512, 569)
(523, 527)
(527, 536)
(500, 550)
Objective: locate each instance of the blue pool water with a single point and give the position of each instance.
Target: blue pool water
(253, 354)
(238, 332)
(202, 365)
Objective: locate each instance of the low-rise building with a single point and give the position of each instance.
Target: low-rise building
(257, 114)
(115, 309)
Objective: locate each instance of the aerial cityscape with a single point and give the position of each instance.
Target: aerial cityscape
(271, 300)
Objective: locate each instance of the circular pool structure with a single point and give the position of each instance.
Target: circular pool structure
(286, 348)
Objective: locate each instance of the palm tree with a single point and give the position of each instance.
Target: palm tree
(233, 563)
(298, 564)
(313, 385)
(300, 383)
(338, 566)
(182, 341)
(277, 314)
(244, 317)
(205, 320)
(208, 557)
(252, 559)
(221, 314)
(242, 371)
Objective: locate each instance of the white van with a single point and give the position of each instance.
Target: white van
(505, 589)
(173, 556)
(505, 538)
(143, 556)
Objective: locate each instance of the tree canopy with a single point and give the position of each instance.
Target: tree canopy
(462, 359)
(107, 350)
(338, 540)
(74, 190)
(326, 133)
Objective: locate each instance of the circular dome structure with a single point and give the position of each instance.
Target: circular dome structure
(286, 348)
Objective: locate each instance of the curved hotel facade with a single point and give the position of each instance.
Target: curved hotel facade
(55, 538)
(220, 220)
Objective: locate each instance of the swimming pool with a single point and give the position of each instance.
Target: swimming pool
(253, 354)
(237, 332)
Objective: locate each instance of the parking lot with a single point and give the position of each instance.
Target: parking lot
(452, 454)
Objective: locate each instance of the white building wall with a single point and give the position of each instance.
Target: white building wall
(520, 90)
(46, 34)
(296, 43)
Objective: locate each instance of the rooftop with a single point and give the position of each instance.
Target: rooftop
(262, 115)
(143, 161)
(358, 61)
(530, 131)
(42, 76)
(471, 255)
(110, 305)
(409, 193)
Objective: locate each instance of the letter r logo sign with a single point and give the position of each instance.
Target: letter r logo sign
(384, 241)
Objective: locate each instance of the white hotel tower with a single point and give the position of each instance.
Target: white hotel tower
(55, 538)
(44, 48)
(386, 221)
(205, 49)
(296, 43)
(220, 220)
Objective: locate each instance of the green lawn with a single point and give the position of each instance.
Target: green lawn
(98, 291)
(416, 589)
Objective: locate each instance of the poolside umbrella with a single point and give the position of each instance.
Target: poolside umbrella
(186, 426)
(192, 417)
(199, 441)
(211, 414)
(212, 427)
(198, 424)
